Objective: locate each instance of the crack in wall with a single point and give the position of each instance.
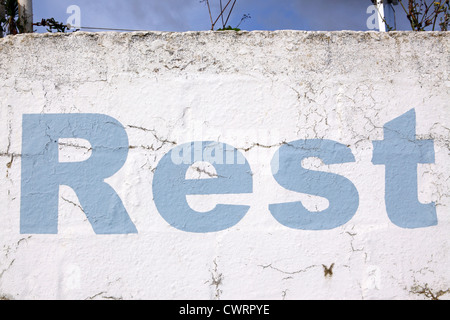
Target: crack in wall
(259, 145)
(95, 296)
(8, 147)
(9, 249)
(328, 271)
(88, 149)
(74, 204)
(288, 272)
(352, 235)
(10, 116)
(427, 292)
(76, 146)
(153, 132)
(9, 155)
(283, 294)
(216, 281)
(103, 295)
(204, 171)
(7, 268)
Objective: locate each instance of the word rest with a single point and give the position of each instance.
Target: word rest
(42, 174)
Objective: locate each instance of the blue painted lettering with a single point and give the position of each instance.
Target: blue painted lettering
(340, 192)
(400, 152)
(42, 174)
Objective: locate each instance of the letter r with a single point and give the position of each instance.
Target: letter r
(42, 173)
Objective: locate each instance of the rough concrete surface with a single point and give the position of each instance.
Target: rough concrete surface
(255, 91)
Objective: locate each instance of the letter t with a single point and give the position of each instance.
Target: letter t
(400, 152)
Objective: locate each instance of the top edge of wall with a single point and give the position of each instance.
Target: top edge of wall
(294, 33)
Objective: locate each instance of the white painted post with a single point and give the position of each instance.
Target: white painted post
(381, 21)
(26, 15)
(386, 14)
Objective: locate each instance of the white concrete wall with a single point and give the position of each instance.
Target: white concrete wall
(255, 91)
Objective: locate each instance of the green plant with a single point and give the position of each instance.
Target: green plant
(225, 10)
(10, 22)
(424, 15)
(229, 28)
(51, 24)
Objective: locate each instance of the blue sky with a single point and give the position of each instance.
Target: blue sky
(191, 15)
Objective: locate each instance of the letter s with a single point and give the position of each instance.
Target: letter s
(340, 192)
